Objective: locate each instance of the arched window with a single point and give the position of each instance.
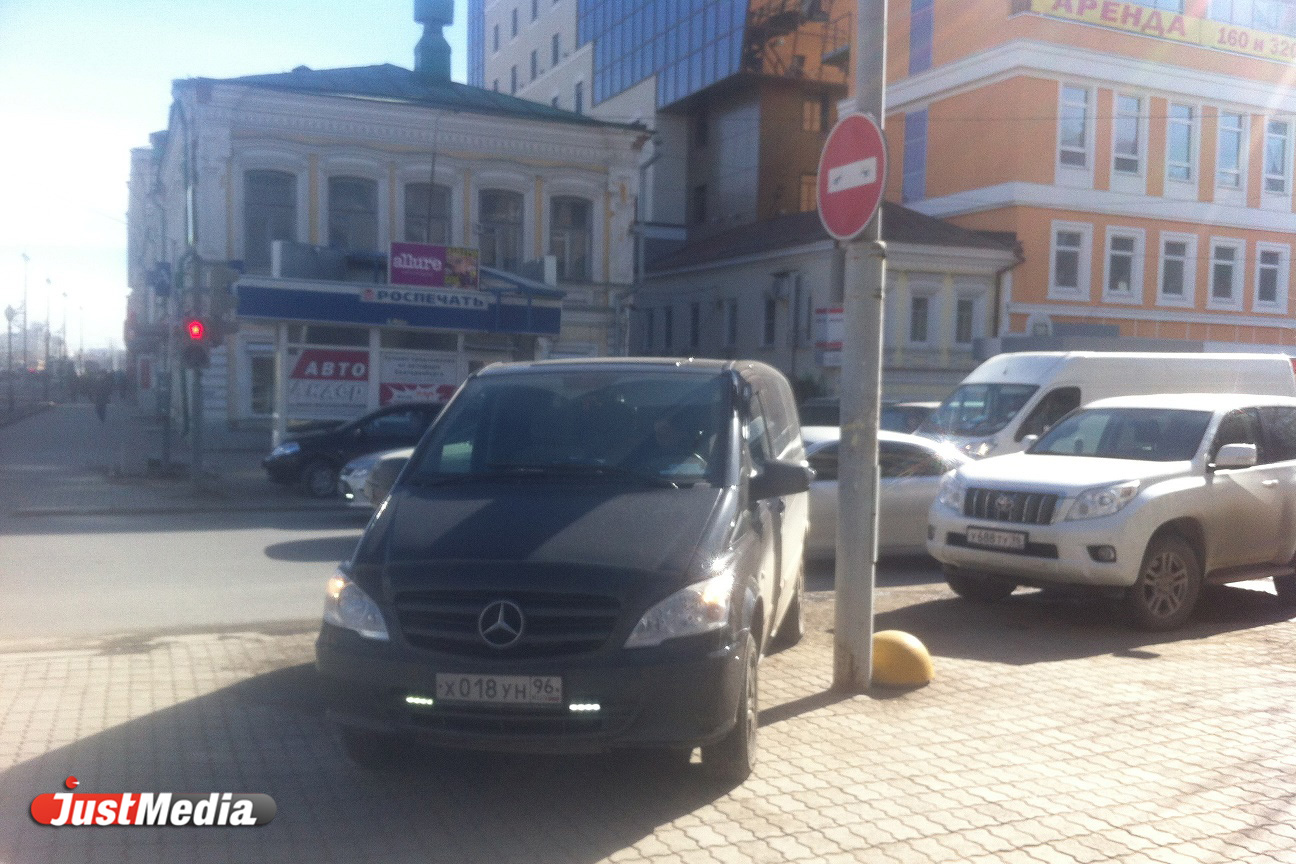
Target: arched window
(569, 237)
(499, 229)
(427, 213)
(353, 214)
(269, 214)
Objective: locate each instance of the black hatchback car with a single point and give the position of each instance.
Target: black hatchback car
(579, 556)
(313, 459)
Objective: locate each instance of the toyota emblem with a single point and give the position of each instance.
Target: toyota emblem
(1003, 506)
(500, 624)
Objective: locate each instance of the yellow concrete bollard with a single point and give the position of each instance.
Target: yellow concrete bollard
(900, 660)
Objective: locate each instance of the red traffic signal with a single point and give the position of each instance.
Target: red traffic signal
(196, 329)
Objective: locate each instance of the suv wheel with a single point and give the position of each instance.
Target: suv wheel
(792, 627)
(1285, 587)
(975, 586)
(319, 479)
(1169, 582)
(731, 758)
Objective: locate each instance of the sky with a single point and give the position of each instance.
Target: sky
(82, 84)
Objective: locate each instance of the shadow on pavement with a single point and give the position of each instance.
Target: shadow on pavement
(893, 570)
(268, 734)
(327, 549)
(1038, 627)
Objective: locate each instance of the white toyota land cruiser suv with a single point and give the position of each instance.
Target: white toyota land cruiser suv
(1148, 497)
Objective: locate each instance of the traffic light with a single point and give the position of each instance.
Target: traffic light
(196, 329)
(194, 353)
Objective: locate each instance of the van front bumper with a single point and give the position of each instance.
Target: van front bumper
(1062, 553)
(670, 696)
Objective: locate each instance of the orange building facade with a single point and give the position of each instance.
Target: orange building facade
(1141, 152)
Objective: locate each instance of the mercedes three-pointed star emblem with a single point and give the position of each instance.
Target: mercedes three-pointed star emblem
(501, 623)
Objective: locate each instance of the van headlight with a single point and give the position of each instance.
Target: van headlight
(285, 449)
(951, 492)
(346, 606)
(699, 608)
(1103, 500)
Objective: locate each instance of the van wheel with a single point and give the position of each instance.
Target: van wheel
(792, 627)
(975, 586)
(1168, 585)
(369, 749)
(731, 758)
(320, 479)
(1285, 587)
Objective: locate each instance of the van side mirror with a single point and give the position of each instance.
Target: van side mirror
(778, 478)
(1234, 456)
(1029, 441)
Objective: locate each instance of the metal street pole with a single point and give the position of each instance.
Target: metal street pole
(861, 391)
(46, 375)
(24, 310)
(10, 313)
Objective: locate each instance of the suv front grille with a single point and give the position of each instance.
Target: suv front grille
(1029, 508)
(555, 624)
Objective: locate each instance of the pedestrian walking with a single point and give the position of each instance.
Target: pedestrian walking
(102, 392)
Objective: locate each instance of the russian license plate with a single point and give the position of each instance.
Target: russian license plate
(994, 539)
(500, 689)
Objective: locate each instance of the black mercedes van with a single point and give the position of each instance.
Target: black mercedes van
(579, 556)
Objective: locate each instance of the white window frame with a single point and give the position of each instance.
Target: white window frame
(977, 299)
(1136, 179)
(932, 297)
(1234, 304)
(1279, 305)
(1226, 194)
(1068, 174)
(1189, 297)
(1083, 271)
(1135, 294)
(1184, 187)
(1278, 199)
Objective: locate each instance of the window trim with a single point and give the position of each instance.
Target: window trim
(1239, 269)
(1083, 290)
(1139, 259)
(1279, 304)
(913, 178)
(1189, 297)
(1140, 144)
(1194, 144)
(1243, 148)
(931, 335)
(1064, 168)
(1285, 193)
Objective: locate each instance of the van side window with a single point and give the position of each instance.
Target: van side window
(1238, 427)
(1279, 426)
(756, 432)
(780, 415)
(1052, 408)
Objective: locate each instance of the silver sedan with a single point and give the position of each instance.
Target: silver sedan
(911, 468)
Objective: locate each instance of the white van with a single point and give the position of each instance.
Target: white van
(1011, 396)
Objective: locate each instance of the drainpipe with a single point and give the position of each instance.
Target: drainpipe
(998, 287)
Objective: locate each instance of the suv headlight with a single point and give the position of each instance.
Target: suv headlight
(951, 492)
(699, 608)
(345, 605)
(978, 449)
(1103, 500)
(286, 449)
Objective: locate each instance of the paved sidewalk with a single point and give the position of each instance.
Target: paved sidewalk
(1049, 735)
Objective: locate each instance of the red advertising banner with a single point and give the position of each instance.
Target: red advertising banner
(327, 383)
(433, 266)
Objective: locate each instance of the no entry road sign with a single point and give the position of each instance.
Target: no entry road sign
(852, 174)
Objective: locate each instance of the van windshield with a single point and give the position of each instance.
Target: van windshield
(1147, 434)
(978, 409)
(661, 427)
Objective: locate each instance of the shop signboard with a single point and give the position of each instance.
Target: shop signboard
(416, 376)
(327, 383)
(430, 266)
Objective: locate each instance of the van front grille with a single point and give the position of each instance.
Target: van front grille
(1028, 508)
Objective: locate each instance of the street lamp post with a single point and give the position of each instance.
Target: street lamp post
(10, 313)
(48, 289)
(24, 310)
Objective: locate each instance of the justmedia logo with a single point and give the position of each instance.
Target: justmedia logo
(214, 810)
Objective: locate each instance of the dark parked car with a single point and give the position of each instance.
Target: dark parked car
(896, 416)
(580, 556)
(313, 459)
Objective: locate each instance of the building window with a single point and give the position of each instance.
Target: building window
(731, 323)
(964, 317)
(650, 326)
(812, 119)
(495, 85)
(569, 237)
(809, 192)
(513, 81)
(1127, 147)
(1124, 266)
(695, 325)
(514, 21)
(269, 214)
(554, 50)
(554, 102)
(578, 98)
(1180, 135)
(1178, 269)
(1271, 277)
(499, 232)
(1070, 262)
(1277, 160)
(1228, 163)
(495, 38)
(919, 318)
(920, 35)
(769, 330)
(427, 213)
(1073, 133)
(353, 214)
(914, 185)
(698, 204)
(535, 9)
(535, 64)
(1226, 268)
(668, 327)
